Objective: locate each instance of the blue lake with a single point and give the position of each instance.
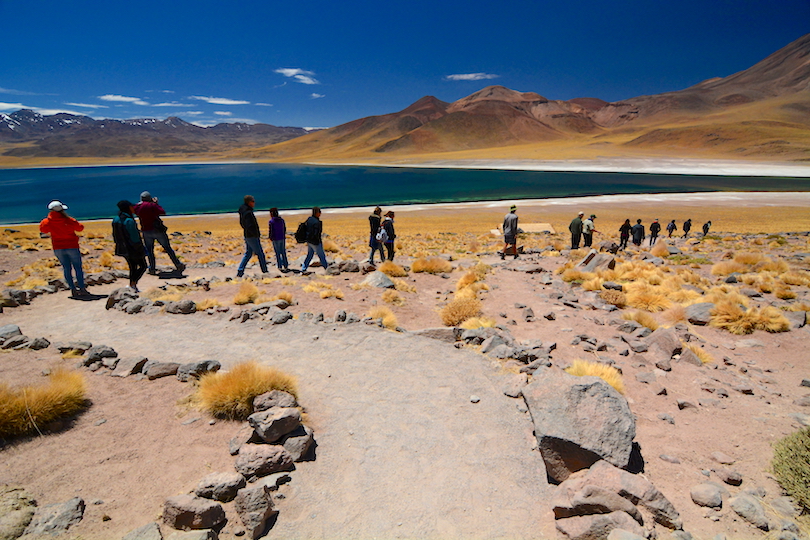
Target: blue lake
(92, 192)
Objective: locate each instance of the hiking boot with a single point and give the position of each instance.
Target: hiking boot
(181, 267)
(503, 256)
(152, 272)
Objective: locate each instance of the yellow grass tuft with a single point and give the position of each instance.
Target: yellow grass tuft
(392, 269)
(403, 286)
(609, 374)
(724, 268)
(392, 296)
(330, 246)
(332, 293)
(459, 310)
(72, 354)
(594, 284)
(106, 259)
(432, 265)
(749, 258)
(389, 320)
(648, 299)
(675, 314)
(642, 318)
(284, 295)
(700, 352)
(574, 275)
(612, 296)
(660, 250)
(207, 303)
(33, 283)
(478, 322)
(796, 278)
(466, 280)
(25, 410)
(736, 319)
(230, 394)
(248, 293)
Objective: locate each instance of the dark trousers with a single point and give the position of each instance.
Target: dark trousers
(588, 239)
(575, 240)
(623, 242)
(389, 246)
(137, 268)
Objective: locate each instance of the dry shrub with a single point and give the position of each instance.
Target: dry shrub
(24, 410)
(466, 280)
(284, 295)
(642, 318)
(683, 296)
(230, 394)
(791, 465)
(459, 309)
(770, 265)
(796, 278)
(33, 283)
(784, 293)
(594, 284)
(248, 293)
(403, 286)
(574, 275)
(331, 293)
(392, 269)
(736, 319)
(432, 265)
(724, 268)
(609, 374)
(478, 322)
(660, 250)
(725, 293)
(612, 296)
(106, 259)
(391, 296)
(801, 306)
(389, 320)
(766, 286)
(749, 258)
(207, 303)
(482, 269)
(648, 299)
(675, 314)
(330, 246)
(700, 352)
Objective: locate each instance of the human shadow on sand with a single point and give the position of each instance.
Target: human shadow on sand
(89, 297)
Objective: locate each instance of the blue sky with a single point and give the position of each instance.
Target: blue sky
(322, 63)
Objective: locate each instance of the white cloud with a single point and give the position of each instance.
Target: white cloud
(264, 104)
(471, 77)
(48, 112)
(190, 113)
(19, 92)
(87, 105)
(172, 104)
(316, 96)
(122, 99)
(223, 113)
(220, 101)
(10, 106)
(300, 75)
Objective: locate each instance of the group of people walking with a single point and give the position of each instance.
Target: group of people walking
(584, 228)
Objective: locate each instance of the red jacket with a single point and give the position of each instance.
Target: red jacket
(62, 229)
(147, 211)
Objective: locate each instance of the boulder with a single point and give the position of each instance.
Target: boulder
(280, 317)
(183, 307)
(9, 330)
(244, 436)
(150, 531)
(55, 519)
(690, 357)
(205, 534)
(188, 511)
(254, 506)
(275, 422)
(707, 494)
(38, 344)
(750, 510)
(220, 486)
(298, 442)
(593, 500)
(578, 421)
(262, 459)
(349, 266)
(699, 314)
(797, 318)
(597, 526)
(594, 261)
(273, 398)
(99, 352)
(79, 346)
(378, 279)
(448, 335)
(120, 296)
(136, 306)
(666, 340)
(162, 369)
(195, 370)
(15, 342)
(17, 508)
(128, 366)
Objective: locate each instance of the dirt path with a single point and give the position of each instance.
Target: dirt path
(402, 450)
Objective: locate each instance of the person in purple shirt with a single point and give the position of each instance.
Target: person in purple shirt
(152, 228)
(278, 235)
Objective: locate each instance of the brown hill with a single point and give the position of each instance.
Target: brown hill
(762, 112)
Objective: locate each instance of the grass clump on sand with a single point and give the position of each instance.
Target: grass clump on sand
(248, 293)
(612, 296)
(642, 318)
(324, 290)
(392, 269)
(207, 303)
(609, 374)
(230, 394)
(660, 250)
(734, 318)
(24, 410)
(459, 309)
(647, 298)
(392, 296)
(389, 320)
(791, 465)
(478, 322)
(700, 352)
(432, 265)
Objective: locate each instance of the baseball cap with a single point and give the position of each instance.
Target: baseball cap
(57, 206)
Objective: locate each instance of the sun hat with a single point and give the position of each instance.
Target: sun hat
(513, 208)
(146, 196)
(57, 206)
(593, 216)
(581, 214)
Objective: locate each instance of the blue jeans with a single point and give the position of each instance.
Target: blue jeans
(311, 249)
(71, 261)
(162, 238)
(252, 245)
(280, 247)
(375, 246)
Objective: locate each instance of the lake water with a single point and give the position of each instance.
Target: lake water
(92, 192)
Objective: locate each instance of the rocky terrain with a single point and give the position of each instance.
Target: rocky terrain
(424, 429)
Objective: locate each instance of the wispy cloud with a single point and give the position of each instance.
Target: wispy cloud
(300, 75)
(44, 112)
(172, 104)
(220, 101)
(471, 77)
(122, 99)
(11, 106)
(223, 113)
(21, 92)
(316, 96)
(264, 104)
(87, 105)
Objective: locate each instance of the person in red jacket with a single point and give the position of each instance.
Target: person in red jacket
(62, 228)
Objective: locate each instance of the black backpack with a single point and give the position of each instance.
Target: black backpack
(301, 233)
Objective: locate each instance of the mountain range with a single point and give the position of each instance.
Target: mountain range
(760, 113)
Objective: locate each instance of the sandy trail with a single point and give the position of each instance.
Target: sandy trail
(402, 452)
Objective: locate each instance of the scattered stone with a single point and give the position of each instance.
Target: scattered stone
(262, 459)
(298, 442)
(220, 486)
(56, 518)
(596, 526)
(690, 357)
(281, 317)
(699, 314)
(244, 436)
(578, 420)
(128, 366)
(150, 531)
(254, 506)
(666, 340)
(475, 399)
(205, 534)
(708, 495)
(448, 335)
(188, 511)
(748, 343)
(670, 459)
(723, 459)
(275, 422)
(646, 377)
(120, 296)
(161, 369)
(593, 500)
(273, 398)
(666, 418)
(378, 279)
(730, 477)
(99, 352)
(551, 316)
(750, 510)
(805, 382)
(683, 404)
(195, 370)
(37, 344)
(17, 508)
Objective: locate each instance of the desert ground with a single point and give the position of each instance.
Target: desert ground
(403, 449)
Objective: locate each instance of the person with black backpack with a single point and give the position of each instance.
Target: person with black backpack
(314, 228)
(128, 242)
(253, 242)
(374, 221)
